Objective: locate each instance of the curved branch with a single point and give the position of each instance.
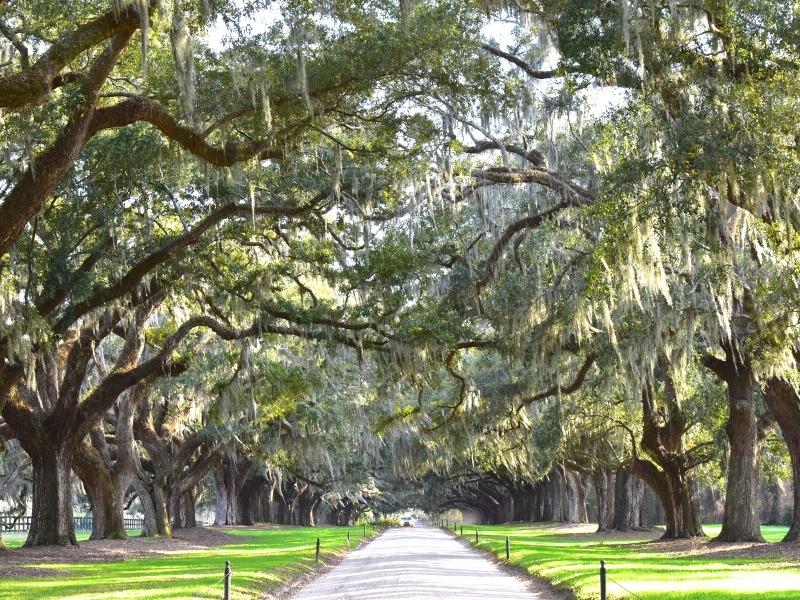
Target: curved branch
(574, 192)
(532, 155)
(49, 167)
(102, 397)
(559, 389)
(534, 73)
(139, 109)
(530, 222)
(137, 272)
(32, 86)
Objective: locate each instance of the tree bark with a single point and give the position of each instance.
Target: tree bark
(674, 493)
(107, 517)
(226, 512)
(154, 507)
(740, 522)
(52, 521)
(784, 404)
(628, 492)
(189, 509)
(603, 479)
(663, 430)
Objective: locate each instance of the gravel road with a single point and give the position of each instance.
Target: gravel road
(416, 564)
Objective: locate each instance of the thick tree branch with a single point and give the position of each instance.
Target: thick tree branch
(532, 155)
(141, 109)
(534, 73)
(568, 190)
(558, 389)
(32, 86)
(49, 167)
(508, 234)
(138, 271)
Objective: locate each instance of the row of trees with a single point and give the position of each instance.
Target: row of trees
(303, 253)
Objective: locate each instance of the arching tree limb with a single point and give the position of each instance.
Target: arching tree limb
(32, 85)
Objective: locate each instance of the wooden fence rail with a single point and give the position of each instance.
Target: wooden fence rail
(23, 524)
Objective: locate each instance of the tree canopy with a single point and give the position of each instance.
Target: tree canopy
(303, 260)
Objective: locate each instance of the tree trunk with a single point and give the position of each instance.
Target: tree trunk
(246, 496)
(578, 495)
(740, 521)
(107, 517)
(181, 502)
(771, 500)
(127, 467)
(227, 498)
(270, 500)
(162, 509)
(628, 493)
(52, 522)
(673, 490)
(793, 535)
(663, 430)
(784, 404)
(306, 505)
(156, 523)
(522, 494)
(603, 480)
(312, 512)
(189, 510)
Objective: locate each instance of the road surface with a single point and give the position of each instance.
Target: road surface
(416, 564)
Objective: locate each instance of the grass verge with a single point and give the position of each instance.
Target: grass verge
(261, 559)
(569, 557)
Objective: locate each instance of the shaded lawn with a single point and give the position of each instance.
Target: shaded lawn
(15, 539)
(260, 559)
(573, 561)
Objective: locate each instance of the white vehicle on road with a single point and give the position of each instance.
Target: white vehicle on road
(407, 521)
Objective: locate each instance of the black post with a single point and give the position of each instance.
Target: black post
(462, 529)
(227, 593)
(603, 595)
(348, 538)
(373, 528)
(477, 539)
(317, 549)
(508, 549)
(455, 527)
(365, 530)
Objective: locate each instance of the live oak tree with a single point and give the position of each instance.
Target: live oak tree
(600, 200)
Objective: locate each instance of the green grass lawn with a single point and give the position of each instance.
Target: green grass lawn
(15, 539)
(260, 559)
(570, 559)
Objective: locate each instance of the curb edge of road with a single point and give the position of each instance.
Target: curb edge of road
(533, 584)
(330, 560)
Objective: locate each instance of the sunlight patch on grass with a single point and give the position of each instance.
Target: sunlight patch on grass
(260, 559)
(567, 559)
